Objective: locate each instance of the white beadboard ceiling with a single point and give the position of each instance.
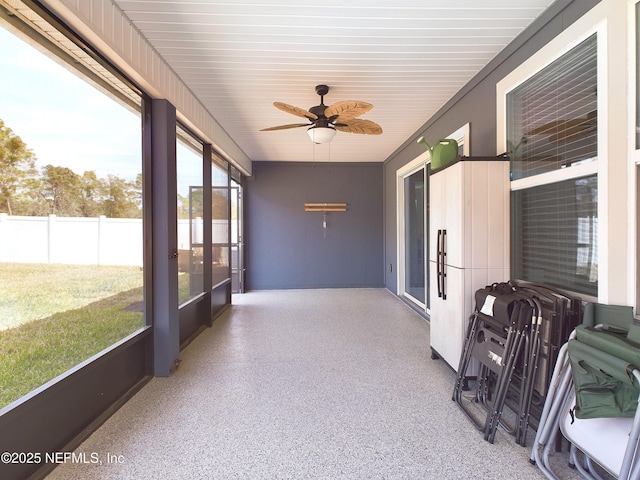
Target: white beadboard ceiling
(406, 57)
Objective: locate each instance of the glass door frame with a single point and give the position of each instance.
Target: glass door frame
(419, 163)
(237, 243)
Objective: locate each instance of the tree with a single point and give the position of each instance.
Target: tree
(59, 189)
(183, 206)
(191, 205)
(30, 201)
(120, 198)
(220, 203)
(63, 189)
(138, 190)
(90, 186)
(17, 165)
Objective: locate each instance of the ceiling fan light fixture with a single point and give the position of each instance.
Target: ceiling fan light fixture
(321, 134)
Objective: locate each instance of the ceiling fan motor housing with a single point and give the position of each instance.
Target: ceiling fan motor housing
(318, 110)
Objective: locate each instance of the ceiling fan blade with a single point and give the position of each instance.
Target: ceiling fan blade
(299, 112)
(284, 127)
(347, 109)
(358, 125)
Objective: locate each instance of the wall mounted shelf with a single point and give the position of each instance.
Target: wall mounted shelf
(325, 207)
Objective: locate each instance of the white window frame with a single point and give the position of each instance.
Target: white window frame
(590, 23)
(531, 67)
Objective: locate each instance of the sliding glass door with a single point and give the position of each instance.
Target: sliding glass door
(415, 246)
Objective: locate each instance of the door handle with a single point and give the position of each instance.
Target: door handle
(438, 264)
(444, 273)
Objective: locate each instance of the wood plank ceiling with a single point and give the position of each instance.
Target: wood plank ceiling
(406, 57)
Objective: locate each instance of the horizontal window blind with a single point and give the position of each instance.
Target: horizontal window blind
(555, 233)
(552, 117)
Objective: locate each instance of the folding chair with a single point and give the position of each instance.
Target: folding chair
(604, 433)
(609, 442)
(495, 339)
(548, 428)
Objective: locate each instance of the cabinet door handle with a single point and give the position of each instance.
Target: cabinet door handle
(444, 255)
(438, 262)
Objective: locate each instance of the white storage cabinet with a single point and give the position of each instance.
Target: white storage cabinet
(468, 244)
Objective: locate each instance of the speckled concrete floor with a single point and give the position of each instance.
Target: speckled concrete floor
(302, 384)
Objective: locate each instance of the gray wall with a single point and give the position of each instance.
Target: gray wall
(286, 247)
(474, 104)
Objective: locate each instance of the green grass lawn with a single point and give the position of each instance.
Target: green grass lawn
(64, 315)
(34, 291)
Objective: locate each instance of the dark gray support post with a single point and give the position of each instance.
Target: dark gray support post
(166, 332)
(208, 228)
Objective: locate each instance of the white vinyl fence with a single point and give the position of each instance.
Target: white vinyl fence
(87, 241)
(70, 240)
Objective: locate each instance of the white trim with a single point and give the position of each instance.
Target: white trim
(634, 153)
(603, 163)
(617, 273)
(631, 60)
(414, 165)
(555, 176)
(462, 137)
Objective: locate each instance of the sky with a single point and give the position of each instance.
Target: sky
(64, 120)
(67, 122)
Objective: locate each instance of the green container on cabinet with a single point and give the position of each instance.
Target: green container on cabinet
(442, 153)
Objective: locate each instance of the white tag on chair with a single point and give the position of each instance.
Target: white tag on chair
(487, 308)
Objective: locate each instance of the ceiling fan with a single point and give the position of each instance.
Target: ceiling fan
(325, 120)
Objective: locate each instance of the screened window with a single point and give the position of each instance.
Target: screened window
(552, 117)
(220, 222)
(189, 159)
(71, 262)
(551, 127)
